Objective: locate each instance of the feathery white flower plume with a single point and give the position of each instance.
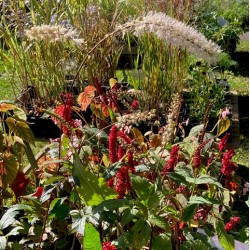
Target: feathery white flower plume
(174, 32)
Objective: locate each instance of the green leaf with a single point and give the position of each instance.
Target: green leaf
(189, 212)
(112, 205)
(21, 129)
(92, 190)
(58, 209)
(162, 241)
(160, 222)
(3, 242)
(91, 240)
(112, 170)
(199, 200)
(226, 240)
(140, 233)
(223, 125)
(143, 188)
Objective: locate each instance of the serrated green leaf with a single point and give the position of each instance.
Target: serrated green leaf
(92, 190)
(162, 241)
(226, 240)
(91, 239)
(189, 212)
(21, 129)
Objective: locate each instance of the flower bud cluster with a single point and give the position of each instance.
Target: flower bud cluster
(52, 33)
(137, 117)
(168, 131)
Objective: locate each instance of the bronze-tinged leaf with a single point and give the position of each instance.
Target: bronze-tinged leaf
(155, 141)
(85, 98)
(21, 129)
(223, 125)
(10, 164)
(4, 107)
(137, 135)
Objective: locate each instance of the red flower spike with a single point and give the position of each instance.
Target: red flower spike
(125, 138)
(123, 184)
(19, 184)
(197, 154)
(108, 246)
(121, 152)
(232, 223)
(131, 163)
(113, 144)
(223, 142)
(110, 182)
(227, 165)
(169, 167)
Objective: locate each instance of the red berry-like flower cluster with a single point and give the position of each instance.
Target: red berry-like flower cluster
(232, 223)
(123, 184)
(223, 142)
(227, 165)
(108, 246)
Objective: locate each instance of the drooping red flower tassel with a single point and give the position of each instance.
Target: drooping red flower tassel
(223, 142)
(113, 157)
(232, 223)
(211, 159)
(172, 161)
(108, 246)
(227, 165)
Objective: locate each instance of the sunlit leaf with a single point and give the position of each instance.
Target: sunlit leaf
(226, 240)
(4, 107)
(112, 82)
(92, 190)
(91, 239)
(85, 98)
